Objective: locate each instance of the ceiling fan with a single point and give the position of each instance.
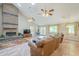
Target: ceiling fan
(47, 12)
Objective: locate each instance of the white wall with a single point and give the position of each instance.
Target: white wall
(0, 20)
(22, 23)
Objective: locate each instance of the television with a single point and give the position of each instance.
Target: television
(27, 31)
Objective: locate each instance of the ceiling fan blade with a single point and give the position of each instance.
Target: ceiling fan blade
(51, 10)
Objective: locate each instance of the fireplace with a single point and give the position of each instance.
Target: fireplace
(10, 33)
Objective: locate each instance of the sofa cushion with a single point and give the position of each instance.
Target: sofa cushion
(43, 42)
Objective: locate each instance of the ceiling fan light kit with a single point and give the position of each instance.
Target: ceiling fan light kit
(45, 15)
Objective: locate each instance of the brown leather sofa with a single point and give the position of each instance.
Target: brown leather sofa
(46, 47)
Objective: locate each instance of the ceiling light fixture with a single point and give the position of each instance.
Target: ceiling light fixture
(45, 15)
(31, 20)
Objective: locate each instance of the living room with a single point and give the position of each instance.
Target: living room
(39, 29)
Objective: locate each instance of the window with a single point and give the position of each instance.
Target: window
(42, 30)
(53, 28)
(71, 29)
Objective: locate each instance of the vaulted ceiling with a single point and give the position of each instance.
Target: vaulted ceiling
(63, 12)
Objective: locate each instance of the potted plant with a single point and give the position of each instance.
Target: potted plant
(20, 34)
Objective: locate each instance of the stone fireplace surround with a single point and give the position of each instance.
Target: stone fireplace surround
(10, 19)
